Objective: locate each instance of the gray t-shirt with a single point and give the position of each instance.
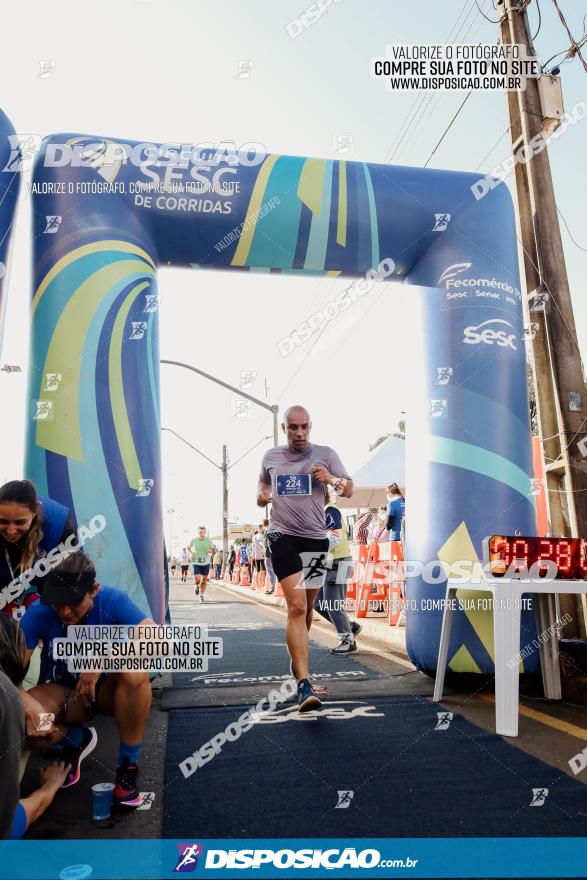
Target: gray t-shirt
(294, 514)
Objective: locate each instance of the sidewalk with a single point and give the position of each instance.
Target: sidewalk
(375, 627)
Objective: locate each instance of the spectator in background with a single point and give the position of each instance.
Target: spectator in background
(232, 559)
(379, 532)
(396, 508)
(244, 558)
(361, 527)
(30, 526)
(271, 577)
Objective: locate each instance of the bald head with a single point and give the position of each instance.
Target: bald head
(296, 427)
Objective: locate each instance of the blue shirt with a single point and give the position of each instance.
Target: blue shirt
(111, 608)
(244, 557)
(395, 510)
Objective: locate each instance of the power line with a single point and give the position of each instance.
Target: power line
(424, 119)
(539, 21)
(492, 20)
(576, 243)
(448, 127)
(417, 103)
(575, 48)
(487, 155)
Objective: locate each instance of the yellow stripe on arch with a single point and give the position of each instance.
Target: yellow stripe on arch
(124, 247)
(246, 239)
(311, 185)
(342, 205)
(122, 427)
(65, 355)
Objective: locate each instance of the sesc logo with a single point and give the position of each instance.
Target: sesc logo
(488, 335)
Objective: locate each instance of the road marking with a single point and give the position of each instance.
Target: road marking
(543, 718)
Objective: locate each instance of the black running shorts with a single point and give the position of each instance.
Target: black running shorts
(291, 554)
(259, 565)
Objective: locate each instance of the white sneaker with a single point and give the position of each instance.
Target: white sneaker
(346, 646)
(201, 597)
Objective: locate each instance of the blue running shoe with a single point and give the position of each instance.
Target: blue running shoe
(307, 699)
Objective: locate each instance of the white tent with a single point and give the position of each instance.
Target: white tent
(384, 465)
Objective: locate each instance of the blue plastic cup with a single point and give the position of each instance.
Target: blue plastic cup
(102, 800)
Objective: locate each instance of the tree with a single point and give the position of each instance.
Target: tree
(400, 434)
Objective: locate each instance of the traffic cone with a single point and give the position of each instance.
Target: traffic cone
(236, 574)
(255, 579)
(245, 580)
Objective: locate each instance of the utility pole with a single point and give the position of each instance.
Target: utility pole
(224, 505)
(556, 361)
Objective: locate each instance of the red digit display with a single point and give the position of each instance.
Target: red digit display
(563, 557)
(569, 555)
(583, 558)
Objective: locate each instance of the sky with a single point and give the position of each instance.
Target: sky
(167, 70)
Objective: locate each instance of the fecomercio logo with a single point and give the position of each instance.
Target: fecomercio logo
(451, 281)
(489, 335)
(452, 272)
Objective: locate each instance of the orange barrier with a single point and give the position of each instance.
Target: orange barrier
(393, 551)
(245, 580)
(236, 573)
(262, 581)
(255, 580)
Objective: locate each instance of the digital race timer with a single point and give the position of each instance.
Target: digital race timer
(569, 555)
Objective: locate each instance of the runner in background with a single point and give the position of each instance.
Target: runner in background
(258, 551)
(294, 478)
(200, 548)
(331, 600)
(217, 562)
(185, 558)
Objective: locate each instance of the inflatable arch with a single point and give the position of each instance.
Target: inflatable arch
(101, 227)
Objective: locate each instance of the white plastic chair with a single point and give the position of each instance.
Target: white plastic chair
(506, 636)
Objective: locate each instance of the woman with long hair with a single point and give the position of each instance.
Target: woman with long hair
(30, 526)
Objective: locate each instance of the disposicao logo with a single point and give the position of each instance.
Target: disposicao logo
(187, 859)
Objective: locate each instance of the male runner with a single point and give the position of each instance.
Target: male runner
(258, 549)
(200, 548)
(294, 478)
(185, 559)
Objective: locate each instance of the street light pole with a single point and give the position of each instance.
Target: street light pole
(224, 504)
(272, 408)
(224, 468)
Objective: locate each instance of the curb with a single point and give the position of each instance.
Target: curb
(393, 639)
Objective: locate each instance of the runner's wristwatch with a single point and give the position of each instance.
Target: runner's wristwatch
(339, 484)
